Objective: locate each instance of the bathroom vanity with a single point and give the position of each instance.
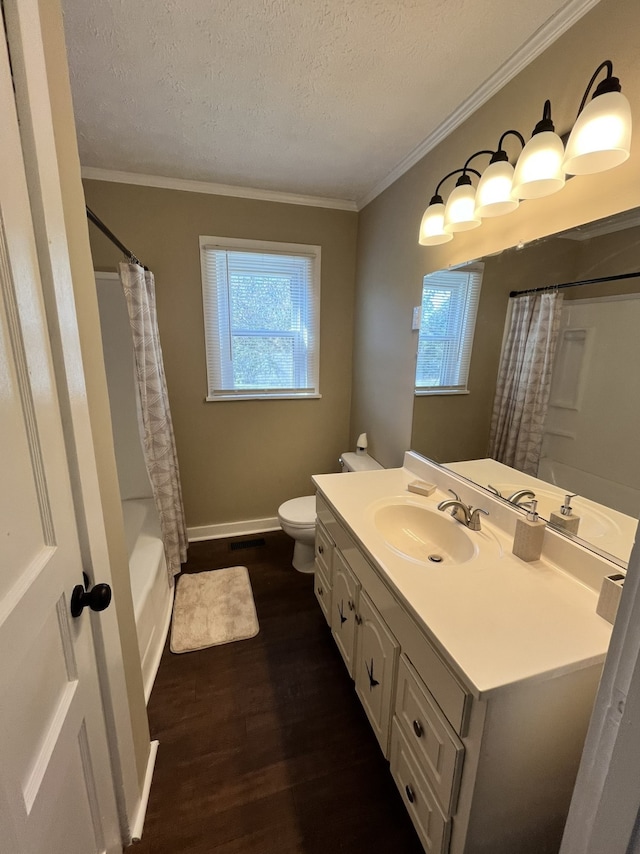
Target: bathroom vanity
(477, 671)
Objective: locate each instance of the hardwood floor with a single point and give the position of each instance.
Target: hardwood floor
(264, 747)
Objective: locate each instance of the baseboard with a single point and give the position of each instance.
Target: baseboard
(233, 529)
(138, 822)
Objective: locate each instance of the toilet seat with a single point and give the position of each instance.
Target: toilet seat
(299, 512)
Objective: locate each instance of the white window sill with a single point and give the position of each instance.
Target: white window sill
(428, 392)
(223, 397)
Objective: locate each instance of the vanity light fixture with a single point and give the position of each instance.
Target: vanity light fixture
(600, 140)
(494, 196)
(601, 136)
(539, 169)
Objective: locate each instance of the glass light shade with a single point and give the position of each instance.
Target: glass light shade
(601, 136)
(431, 228)
(494, 197)
(459, 214)
(539, 169)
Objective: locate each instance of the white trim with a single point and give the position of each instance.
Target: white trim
(233, 529)
(261, 396)
(539, 42)
(141, 812)
(93, 173)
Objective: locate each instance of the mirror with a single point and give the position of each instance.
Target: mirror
(591, 428)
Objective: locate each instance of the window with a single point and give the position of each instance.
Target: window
(261, 317)
(447, 322)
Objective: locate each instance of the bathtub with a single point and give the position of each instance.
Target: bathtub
(150, 590)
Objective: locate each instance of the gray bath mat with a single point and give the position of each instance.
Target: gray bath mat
(212, 608)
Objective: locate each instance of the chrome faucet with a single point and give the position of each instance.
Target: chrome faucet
(463, 513)
(517, 497)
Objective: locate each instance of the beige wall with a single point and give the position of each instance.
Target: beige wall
(238, 459)
(94, 377)
(391, 264)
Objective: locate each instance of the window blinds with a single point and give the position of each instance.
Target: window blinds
(261, 312)
(449, 307)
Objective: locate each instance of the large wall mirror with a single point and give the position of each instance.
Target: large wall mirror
(592, 425)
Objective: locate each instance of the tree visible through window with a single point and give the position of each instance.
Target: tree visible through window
(261, 309)
(447, 323)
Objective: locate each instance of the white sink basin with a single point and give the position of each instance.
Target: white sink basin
(425, 535)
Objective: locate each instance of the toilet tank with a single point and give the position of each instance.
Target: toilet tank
(350, 461)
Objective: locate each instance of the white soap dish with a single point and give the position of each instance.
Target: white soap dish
(421, 487)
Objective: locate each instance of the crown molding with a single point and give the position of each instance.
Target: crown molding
(558, 24)
(93, 173)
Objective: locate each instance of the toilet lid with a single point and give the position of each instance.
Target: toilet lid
(299, 512)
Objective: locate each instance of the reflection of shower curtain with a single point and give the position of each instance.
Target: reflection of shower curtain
(159, 442)
(524, 381)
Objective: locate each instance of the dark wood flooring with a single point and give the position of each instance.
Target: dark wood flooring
(264, 747)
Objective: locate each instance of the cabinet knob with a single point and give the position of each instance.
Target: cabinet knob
(320, 550)
(410, 793)
(358, 619)
(319, 591)
(417, 728)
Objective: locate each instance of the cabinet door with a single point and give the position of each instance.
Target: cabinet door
(375, 670)
(344, 604)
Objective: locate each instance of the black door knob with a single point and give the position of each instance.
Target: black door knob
(98, 598)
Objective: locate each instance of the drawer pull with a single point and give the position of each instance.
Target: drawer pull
(351, 605)
(319, 591)
(410, 793)
(417, 728)
(358, 619)
(320, 550)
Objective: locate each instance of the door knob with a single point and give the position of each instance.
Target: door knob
(98, 598)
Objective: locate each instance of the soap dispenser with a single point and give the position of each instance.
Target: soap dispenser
(566, 519)
(527, 542)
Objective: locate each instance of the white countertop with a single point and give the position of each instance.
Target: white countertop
(496, 619)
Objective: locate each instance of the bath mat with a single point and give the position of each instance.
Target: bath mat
(213, 608)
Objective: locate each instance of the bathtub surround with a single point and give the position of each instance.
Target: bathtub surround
(213, 608)
(159, 443)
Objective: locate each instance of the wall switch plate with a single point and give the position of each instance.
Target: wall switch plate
(415, 322)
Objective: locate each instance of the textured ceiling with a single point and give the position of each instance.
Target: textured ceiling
(320, 97)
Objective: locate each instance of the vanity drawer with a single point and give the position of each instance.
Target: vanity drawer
(324, 551)
(437, 748)
(322, 589)
(431, 825)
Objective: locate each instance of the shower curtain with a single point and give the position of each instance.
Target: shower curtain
(157, 427)
(524, 381)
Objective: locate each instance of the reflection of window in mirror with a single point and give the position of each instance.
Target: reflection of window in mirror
(447, 323)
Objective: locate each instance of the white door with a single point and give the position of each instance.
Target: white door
(56, 788)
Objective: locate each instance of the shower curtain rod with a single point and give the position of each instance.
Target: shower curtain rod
(108, 233)
(575, 284)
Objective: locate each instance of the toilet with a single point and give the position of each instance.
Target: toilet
(298, 515)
